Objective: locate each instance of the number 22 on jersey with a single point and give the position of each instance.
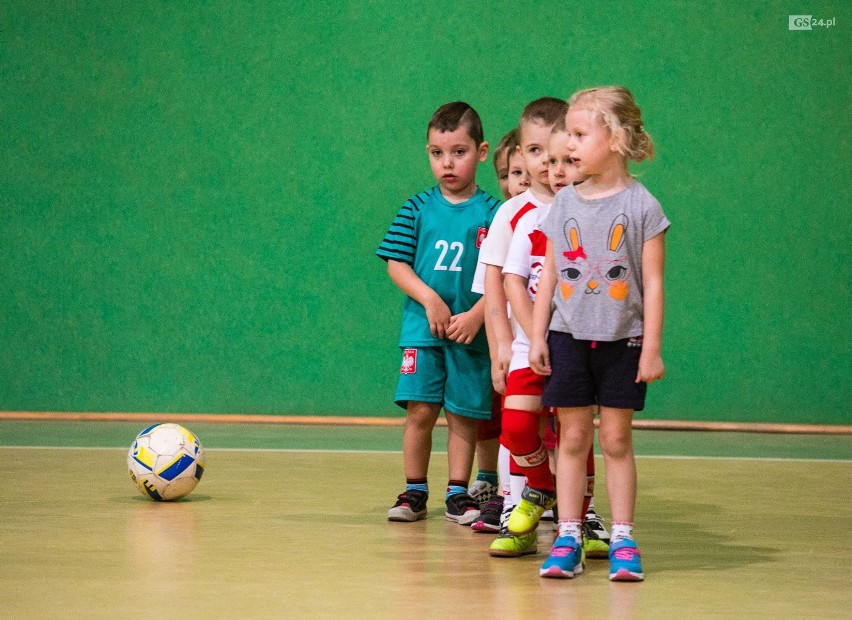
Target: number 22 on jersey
(455, 249)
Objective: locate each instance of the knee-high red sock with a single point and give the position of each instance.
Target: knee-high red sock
(521, 435)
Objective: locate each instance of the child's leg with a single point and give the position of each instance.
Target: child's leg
(575, 438)
(595, 535)
(487, 449)
(420, 419)
(550, 439)
(588, 496)
(590, 477)
(504, 457)
(616, 440)
(521, 436)
(486, 454)
(461, 441)
(576, 434)
(467, 396)
(522, 421)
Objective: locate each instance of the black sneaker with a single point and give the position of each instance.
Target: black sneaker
(462, 509)
(489, 519)
(409, 506)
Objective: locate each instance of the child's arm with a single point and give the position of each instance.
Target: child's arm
(465, 325)
(651, 366)
(539, 353)
(497, 320)
(437, 311)
(519, 300)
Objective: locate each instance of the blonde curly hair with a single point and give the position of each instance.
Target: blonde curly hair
(615, 107)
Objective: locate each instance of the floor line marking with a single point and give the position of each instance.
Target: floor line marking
(675, 457)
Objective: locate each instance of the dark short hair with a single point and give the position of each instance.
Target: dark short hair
(547, 111)
(451, 116)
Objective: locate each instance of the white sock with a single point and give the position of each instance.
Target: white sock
(517, 484)
(621, 531)
(503, 458)
(571, 527)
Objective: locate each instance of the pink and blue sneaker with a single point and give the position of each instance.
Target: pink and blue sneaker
(625, 563)
(566, 559)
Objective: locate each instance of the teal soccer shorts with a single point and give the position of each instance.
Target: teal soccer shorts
(455, 376)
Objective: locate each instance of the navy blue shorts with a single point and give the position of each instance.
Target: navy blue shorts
(587, 372)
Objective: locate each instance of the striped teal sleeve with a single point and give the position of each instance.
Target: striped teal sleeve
(400, 242)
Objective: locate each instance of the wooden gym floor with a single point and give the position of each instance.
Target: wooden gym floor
(289, 522)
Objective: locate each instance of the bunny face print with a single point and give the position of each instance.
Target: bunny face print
(609, 273)
(597, 253)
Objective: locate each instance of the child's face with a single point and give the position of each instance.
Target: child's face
(589, 142)
(501, 167)
(519, 178)
(533, 148)
(560, 165)
(454, 156)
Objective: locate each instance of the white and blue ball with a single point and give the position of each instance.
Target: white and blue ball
(166, 461)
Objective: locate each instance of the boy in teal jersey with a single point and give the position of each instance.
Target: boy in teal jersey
(432, 249)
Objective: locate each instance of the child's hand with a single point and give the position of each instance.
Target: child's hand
(500, 367)
(540, 357)
(464, 327)
(438, 315)
(498, 377)
(651, 367)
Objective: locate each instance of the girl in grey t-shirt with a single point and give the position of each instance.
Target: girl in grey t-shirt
(598, 318)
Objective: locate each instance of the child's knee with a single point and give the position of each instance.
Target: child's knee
(421, 414)
(576, 439)
(616, 445)
(462, 425)
(520, 432)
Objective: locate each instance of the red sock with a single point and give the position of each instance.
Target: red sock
(521, 436)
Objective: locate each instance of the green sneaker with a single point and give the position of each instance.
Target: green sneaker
(526, 515)
(508, 546)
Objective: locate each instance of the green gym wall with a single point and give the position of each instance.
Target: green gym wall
(192, 192)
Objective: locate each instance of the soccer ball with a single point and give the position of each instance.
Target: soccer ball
(166, 461)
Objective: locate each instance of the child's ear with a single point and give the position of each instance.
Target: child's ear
(618, 140)
(483, 152)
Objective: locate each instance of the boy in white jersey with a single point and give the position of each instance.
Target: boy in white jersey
(522, 423)
(534, 129)
(549, 172)
(486, 488)
(489, 489)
